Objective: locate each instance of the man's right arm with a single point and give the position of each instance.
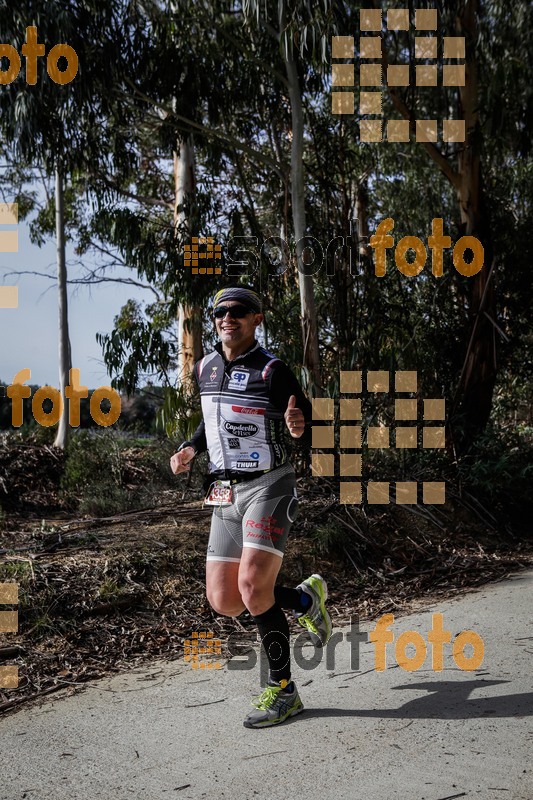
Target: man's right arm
(188, 450)
(198, 439)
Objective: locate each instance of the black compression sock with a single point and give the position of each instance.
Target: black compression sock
(289, 687)
(274, 633)
(292, 598)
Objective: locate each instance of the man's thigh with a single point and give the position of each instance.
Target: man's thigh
(268, 518)
(225, 536)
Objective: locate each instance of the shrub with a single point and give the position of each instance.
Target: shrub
(500, 466)
(93, 460)
(331, 538)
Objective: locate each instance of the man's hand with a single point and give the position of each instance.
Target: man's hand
(294, 418)
(180, 461)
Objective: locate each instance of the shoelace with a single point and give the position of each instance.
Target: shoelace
(267, 698)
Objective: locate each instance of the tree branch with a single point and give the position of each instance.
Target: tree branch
(150, 201)
(210, 133)
(89, 280)
(441, 160)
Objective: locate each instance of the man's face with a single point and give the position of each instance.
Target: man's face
(237, 331)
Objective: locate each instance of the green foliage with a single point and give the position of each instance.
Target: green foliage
(92, 460)
(39, 434)
(43, 625)
(117, 128)
(133, 346)
(500, 466)
(331, 538)
(97, 478)
(110, 589)
(18, 571)
(103, 501)
(156, 468)
(179, 417)
(93, 478)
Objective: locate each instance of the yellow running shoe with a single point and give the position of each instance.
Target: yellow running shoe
(316, 619)
(273, 706)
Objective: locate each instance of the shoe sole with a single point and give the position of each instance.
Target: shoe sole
(271, 723)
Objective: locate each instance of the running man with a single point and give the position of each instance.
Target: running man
(248, 398)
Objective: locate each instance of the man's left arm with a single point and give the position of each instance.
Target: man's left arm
(283, 386)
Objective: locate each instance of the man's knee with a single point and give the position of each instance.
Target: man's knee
(222, 604)
(256, 595)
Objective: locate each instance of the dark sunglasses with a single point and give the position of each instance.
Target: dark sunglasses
(235, 312)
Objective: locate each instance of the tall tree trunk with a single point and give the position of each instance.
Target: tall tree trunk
(65, 362)
(361, 214)
(478, 376)
(189, 317)
(473, 397)
(311, 356)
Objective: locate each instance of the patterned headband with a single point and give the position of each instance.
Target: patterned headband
(245, 296)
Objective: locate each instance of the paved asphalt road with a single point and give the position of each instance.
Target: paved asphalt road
(170, 731)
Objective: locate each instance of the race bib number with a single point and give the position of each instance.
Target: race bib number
(219, 494)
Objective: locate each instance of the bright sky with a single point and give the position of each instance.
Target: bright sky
(29, 333)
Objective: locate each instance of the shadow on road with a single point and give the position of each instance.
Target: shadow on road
(446, 700)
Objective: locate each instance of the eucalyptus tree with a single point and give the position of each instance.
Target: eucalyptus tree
(54, 119)
(302, 31)
(204, 81)
(497, 67)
